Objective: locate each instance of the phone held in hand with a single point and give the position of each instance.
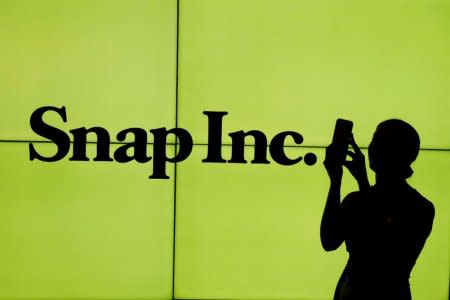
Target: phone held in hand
(341, 138)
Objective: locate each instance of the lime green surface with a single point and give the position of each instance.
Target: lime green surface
(85, 230)
(103, 230)
(111, 63)
(277, 65)
(252, 231)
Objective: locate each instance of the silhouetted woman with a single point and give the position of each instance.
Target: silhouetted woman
(384, 226)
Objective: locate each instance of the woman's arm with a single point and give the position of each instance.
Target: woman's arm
(330, 228)
(425, 224)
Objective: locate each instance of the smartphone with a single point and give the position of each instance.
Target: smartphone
(341, 138)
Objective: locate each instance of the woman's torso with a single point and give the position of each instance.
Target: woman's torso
(384, 231)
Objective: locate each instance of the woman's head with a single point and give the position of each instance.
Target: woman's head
(395, 145)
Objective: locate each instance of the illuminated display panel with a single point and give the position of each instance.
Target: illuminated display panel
(83, 230)
(111, 63)
(299, 65)
(252, 231)
(103, 230)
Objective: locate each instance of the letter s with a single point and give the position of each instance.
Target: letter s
(59, 137)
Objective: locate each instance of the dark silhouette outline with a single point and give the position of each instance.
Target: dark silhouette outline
(384, 226)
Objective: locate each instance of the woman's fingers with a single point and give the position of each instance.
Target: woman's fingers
(354, 145)
(350, 165)
(333, 167)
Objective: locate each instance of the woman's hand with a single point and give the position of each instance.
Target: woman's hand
(357, 166)
(332, 164)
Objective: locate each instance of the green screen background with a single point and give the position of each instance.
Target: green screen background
(101, 230)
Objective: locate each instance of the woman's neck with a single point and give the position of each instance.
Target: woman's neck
(390, 181)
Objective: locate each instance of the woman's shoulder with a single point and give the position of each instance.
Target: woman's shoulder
(355, 195)
(421, 203)
(352, 199)
(413, 198)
